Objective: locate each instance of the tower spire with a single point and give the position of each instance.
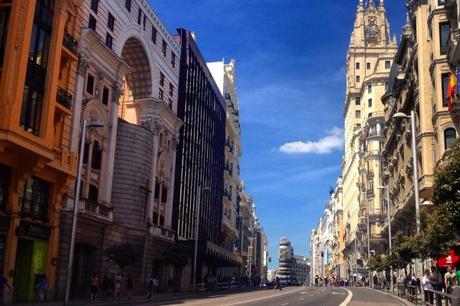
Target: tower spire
(361, 4)
(381, 4)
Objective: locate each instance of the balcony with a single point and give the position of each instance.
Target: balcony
(96, 210)
(64, 160)
(70, 46)
(374, 154)
(162, 233)
(64, 98)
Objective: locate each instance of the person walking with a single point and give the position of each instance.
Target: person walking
(278, 284)
(450, 279)
(94, 282)
(117, 286)
(106, 287)
(150, 287)
(427, 285)
(130, 286)
(437, 283)
(42, 287)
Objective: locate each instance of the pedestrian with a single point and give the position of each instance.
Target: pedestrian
(150, 287)
(94, 282)
(375, 280)
(42, 287)
(427, 285)
(437, 283)
(106, 287)
(130, 286)
(450, 279)
(3, 285)
(277, 283)
(117, 286)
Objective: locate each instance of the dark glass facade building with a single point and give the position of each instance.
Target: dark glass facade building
(200, 152)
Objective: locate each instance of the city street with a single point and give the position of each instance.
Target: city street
(294, 296)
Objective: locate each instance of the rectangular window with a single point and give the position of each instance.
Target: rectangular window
(33, 199)
(444, 29)
(445, 88)
(128, 5)
(92, 194)
(162, 79)
(173, 59)
(357, 66)
(358, 114)
(160, 94)
(109, 41)
(369, 103)
(357, 101)
(92, 23)
(163, 47)
(171, 89)
(145, 22)
(4, 20)
(34, 87)
(90, 84)
(368, 66)
(4, 187)
(387, 64)
(111, 22)
(94, 5)
(369, 88)
(105, 95)
(154, 35)
(386, 86)
(96, 157)
(441, 2)
(139, 16)
(358, 79)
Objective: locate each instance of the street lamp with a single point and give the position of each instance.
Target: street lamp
(389, 229)
(197, 229)
(75, 205)
(415, 165)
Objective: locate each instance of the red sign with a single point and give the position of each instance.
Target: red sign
(452, 259)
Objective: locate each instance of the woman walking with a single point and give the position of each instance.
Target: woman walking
(427, 285)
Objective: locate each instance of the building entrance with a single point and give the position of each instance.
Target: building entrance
(30, 267)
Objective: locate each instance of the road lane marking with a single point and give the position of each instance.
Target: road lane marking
(301, 299)
(348, 299)
(284, 304)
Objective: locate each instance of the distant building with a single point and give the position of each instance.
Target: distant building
(286, 259)
(301, 269)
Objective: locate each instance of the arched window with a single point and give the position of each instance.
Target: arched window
(449, 138)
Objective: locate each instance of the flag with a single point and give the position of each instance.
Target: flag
(451, 91)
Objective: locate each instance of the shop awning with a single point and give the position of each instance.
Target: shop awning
(452, 259)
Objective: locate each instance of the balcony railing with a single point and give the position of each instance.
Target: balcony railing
(97, 210)
(64, 98)
(70, 43)
(163, 232)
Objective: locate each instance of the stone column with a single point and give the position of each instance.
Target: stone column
(156, 139)
(172, 178)
(85, 186)
(157, 221)
(77, 113)
(103, 192)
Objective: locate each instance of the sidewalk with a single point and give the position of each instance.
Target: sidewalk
(406, 302)
(141, 299)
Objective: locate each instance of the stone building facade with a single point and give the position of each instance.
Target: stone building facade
(128, 69)
(369, 61)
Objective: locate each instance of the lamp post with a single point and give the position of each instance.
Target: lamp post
(197, 229)
(415, 165)
(389, 229)
(75, 206)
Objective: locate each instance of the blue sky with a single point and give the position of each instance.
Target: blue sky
(291, 81)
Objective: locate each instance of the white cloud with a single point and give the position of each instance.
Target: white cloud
(333, 141)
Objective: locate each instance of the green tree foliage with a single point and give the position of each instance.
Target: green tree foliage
(123, 255)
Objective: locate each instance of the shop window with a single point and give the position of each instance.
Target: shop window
(93, 193)
(449, 138)
(34, 87)
(96, 158)
(4, 187)
(444, 30)
(34, 197)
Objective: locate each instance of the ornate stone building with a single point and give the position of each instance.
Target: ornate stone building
(38, 63)
(418, 82)
(128, 81)
(369, 60)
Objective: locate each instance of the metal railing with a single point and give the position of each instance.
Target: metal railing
(64, 98)
(70, 43)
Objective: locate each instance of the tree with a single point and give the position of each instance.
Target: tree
(123, 255)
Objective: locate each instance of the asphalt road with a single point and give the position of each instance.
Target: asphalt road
(295, 296)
